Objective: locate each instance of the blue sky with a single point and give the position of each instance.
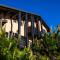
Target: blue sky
(49, 10)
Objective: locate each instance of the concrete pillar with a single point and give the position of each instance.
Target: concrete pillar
(19, 25)
(32, 28)
(1, 18)
(11, 28)
(0, 23)
(26, 29)
(39, 24)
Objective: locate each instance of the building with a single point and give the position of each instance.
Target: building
(23, 23)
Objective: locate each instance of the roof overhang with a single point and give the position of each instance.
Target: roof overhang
(13, 11)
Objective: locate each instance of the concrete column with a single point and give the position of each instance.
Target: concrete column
(11, 28)
(26, 29)
(39, 24)
(0, 23)
(32, 28)
(19, 25)
(1, 18)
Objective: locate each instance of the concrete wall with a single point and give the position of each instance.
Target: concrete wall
(15, 26)
(22, 28)
(44, 28)
(7, 26)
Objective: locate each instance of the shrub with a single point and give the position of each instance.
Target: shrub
(10, 51)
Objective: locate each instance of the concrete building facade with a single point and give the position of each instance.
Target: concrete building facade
(25, 24)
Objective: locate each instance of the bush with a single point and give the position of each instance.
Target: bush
(48, 46)
(10, 51)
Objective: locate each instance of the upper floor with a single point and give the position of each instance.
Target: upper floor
(11, 19)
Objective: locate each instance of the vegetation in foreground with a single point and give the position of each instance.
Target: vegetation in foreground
(9, 49)
(46, 48)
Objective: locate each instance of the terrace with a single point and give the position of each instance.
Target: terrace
(22, 24)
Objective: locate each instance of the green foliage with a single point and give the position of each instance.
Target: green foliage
(43, 57)
(48, 46)
(10, 51)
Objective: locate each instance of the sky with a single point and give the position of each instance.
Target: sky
(49, 10)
